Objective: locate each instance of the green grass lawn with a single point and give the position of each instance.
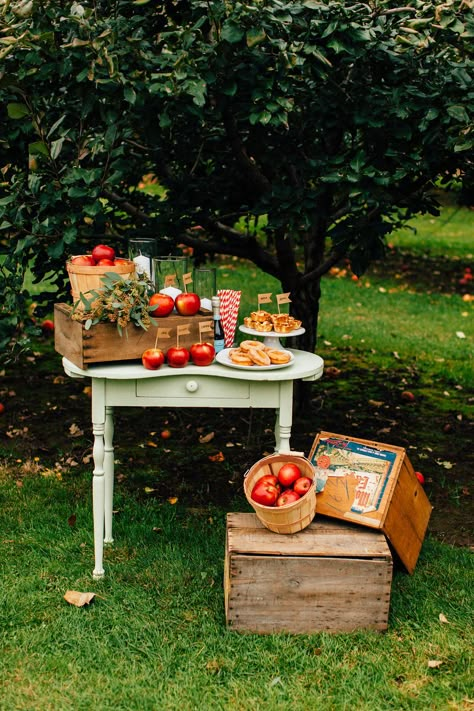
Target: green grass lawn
(155, 635)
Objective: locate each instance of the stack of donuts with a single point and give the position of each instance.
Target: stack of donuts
(264, 321)
(255, 353)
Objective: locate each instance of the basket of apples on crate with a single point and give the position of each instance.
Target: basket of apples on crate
(281, 490)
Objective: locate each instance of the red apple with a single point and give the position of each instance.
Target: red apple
(264, 494)
(177, 356)
(84, 260)
(302, 485)
(47, 327)
(288, 497)
(161, 305)
(153, 358)
(187, 303)
(106, 263)
(202, 353)
(103, 251)
(269, 479)
(289, 473)
(420, 477)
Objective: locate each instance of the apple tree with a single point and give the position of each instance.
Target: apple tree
(295, 134)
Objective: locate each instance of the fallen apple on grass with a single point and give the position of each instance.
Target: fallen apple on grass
(47, 327)
(153, 358)
(420, 477)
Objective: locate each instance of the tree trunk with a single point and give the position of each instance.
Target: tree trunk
(305, 307)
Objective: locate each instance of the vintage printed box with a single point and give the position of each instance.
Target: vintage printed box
(332, 576)
(102, 343)
(374, 485)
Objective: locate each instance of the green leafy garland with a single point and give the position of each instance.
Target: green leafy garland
(121, 301)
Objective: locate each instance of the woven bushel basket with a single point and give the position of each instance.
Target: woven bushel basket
(282, 519)
(84, 279)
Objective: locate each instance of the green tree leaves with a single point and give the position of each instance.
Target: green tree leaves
(332, 119)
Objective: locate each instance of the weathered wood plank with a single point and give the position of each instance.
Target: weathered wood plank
(332, 577)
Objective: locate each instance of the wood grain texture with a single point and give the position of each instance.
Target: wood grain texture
(332, 577)
(404, 510)
(103, 344)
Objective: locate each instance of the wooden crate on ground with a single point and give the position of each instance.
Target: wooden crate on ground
(332, 576)
(374, 485)
(102, 343)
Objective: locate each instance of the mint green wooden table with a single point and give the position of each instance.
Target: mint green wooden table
(216, 385)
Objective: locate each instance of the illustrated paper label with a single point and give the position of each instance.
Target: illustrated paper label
(351, 478)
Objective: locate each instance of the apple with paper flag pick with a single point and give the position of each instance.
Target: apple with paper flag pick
(187, 303)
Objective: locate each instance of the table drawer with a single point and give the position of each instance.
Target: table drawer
(189, 387)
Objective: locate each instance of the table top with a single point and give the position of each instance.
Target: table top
(305, 366)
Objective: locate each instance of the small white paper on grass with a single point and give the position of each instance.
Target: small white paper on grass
(79, 599)
(460, 334)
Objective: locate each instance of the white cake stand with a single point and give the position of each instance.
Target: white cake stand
(272, 338)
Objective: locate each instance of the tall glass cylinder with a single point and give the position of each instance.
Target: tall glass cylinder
(168, 274)
(142, 251)
(204, 285)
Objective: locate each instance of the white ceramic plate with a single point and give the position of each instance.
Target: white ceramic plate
(223, 358)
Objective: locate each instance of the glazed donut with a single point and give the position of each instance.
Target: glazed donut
(259, 357)
(278, 357)
(239, 357)
(246, 345)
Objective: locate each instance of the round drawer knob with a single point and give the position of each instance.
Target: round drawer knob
(191, 386)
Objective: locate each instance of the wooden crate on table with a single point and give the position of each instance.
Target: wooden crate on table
(102, 342)
(332, 577)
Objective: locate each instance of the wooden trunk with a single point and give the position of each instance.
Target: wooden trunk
(374, 485)
(331, 577)
(102, 342)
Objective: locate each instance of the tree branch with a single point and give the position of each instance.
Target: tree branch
(126, 205)
(248, 166)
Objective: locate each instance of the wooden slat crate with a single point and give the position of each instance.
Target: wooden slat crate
(374, 485)
(332, 577)
(102, 343)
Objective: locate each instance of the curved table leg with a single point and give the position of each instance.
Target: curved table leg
(284, 418)
(98, 498)
(109, 472)
(98, 478)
